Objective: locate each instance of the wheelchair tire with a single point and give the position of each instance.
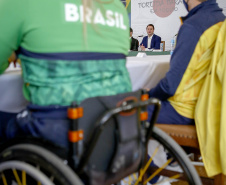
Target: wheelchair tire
(11, 172)
(48, 163)
(188, 172)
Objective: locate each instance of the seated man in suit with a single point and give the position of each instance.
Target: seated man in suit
(151, 41)
(133, 42)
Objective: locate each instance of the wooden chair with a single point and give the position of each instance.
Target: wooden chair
(186, 137)
(163, 45)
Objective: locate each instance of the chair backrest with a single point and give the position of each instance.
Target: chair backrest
(163, 45)
(184, 135)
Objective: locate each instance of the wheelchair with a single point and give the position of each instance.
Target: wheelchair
(107, 144)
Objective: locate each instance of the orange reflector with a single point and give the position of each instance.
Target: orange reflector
(75, 136)
(143, 116)
(75, 113)
(144, 97)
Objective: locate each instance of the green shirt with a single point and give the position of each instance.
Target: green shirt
(65, 55)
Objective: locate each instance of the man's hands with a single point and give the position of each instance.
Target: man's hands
(142, 47)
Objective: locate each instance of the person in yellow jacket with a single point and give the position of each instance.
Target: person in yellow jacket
(189, 63)
(179, 89)
(210, 117)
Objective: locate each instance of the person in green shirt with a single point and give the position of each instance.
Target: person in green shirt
(69, 51)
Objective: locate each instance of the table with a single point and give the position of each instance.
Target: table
(134, 53)
(148, 71)
(144, 73)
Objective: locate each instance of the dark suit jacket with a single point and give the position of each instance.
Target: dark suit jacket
(155, 42)
(134, 44)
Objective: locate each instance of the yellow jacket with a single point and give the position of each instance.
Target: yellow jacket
(210, 112)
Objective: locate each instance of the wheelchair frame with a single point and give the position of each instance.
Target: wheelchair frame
(78, 167)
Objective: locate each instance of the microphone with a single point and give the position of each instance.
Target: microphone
(140, 36)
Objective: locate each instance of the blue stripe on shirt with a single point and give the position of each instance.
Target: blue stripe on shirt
(78, 56)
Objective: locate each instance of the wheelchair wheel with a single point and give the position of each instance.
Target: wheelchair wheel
(168, 164)
(17, 172)
(171, 163)
(44, 161)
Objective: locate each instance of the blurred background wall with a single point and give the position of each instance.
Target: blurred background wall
(164, 14)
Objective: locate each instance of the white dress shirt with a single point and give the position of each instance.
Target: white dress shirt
(149, 41)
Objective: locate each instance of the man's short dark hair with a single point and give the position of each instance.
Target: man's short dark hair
(131, 30)
(150, 25)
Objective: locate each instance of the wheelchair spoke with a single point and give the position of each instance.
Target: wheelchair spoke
(4, 179)
(17, 177)
(158, 171)
(24, 177)
(142, 171)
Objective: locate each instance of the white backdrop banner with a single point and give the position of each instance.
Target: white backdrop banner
(163, 14)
